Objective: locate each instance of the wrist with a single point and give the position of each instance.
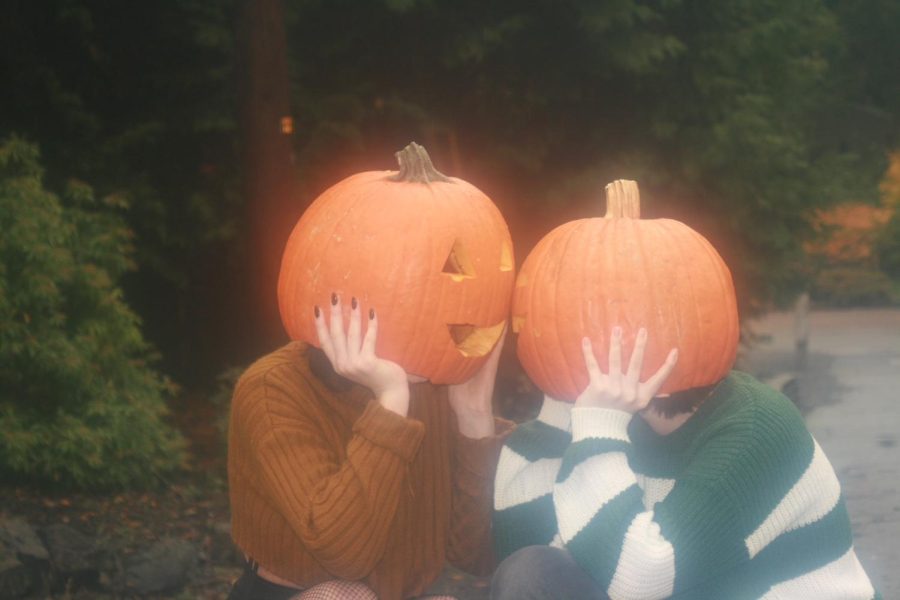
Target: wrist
(475, 424)
(395, 399)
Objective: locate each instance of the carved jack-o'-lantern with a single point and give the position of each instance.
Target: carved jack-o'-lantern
(587, 276)
(430, 253)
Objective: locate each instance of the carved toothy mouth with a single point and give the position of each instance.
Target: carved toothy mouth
(473, 341)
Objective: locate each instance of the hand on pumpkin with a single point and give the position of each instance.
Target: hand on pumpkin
(353, 356)
(472, 400)
(617, 390)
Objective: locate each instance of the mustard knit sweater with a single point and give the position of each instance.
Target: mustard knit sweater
(327, 484)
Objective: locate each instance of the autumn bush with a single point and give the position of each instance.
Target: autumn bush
(80, 404)
(887, 247)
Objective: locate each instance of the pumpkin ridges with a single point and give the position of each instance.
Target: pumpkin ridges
(376, 200)
(700, 367)
(724, 312)
(713, 326)
(549, 246)
(583, 282)
(685, 310)
(692, 306)
(634, 273)
(296, 281)
(729, 312)
(630, 329)
(564, 349)
(538, 306)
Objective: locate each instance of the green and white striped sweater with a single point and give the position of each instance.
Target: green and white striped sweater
(739, 502)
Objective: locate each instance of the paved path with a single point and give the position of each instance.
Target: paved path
(849, 389)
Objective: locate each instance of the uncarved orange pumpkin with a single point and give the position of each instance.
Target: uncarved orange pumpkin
(589, 275)
(431, 254)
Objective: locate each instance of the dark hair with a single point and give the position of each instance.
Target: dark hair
(684, 401)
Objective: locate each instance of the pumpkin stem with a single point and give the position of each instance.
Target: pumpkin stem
(416, 167)
(623, 200)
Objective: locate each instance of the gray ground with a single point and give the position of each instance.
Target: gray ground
(849, 390)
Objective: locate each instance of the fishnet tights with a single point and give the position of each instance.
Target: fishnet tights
(347, 590)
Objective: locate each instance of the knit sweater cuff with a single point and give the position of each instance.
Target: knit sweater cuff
(603, 423)
(389, 430)
(480, 456)
(556, 413)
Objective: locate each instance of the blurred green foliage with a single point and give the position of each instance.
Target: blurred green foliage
(80, 407)
(858, 285)
(138, 100)
(736, 116)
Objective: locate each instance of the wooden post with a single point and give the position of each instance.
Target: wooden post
(801, 330)
(266, 126)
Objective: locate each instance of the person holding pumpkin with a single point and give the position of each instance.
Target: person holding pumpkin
(359, 467)
(672, 476)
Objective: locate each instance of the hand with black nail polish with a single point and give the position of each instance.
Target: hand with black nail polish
(352, 355)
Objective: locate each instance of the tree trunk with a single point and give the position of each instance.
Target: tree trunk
(267, 166)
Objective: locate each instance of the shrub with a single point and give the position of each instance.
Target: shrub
(852, 286)
(80, 405)
(887, 246)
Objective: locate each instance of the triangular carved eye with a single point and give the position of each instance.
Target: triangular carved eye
(458, 264)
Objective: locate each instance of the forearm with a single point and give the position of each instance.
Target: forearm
(470, 545)
(475, 424)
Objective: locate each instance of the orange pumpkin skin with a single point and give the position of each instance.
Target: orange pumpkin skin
(589, 275)
(433, 259)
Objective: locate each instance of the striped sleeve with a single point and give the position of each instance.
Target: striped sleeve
(527, 469)
(600, 510)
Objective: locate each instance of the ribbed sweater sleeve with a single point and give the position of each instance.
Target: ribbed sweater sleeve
(474, 465)
(340, 506)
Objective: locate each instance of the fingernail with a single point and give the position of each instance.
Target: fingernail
(642, 333)
(617, 331)
(585, 341)
(334, 299)
(316, 310)
(353, 302)
(371, 313)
